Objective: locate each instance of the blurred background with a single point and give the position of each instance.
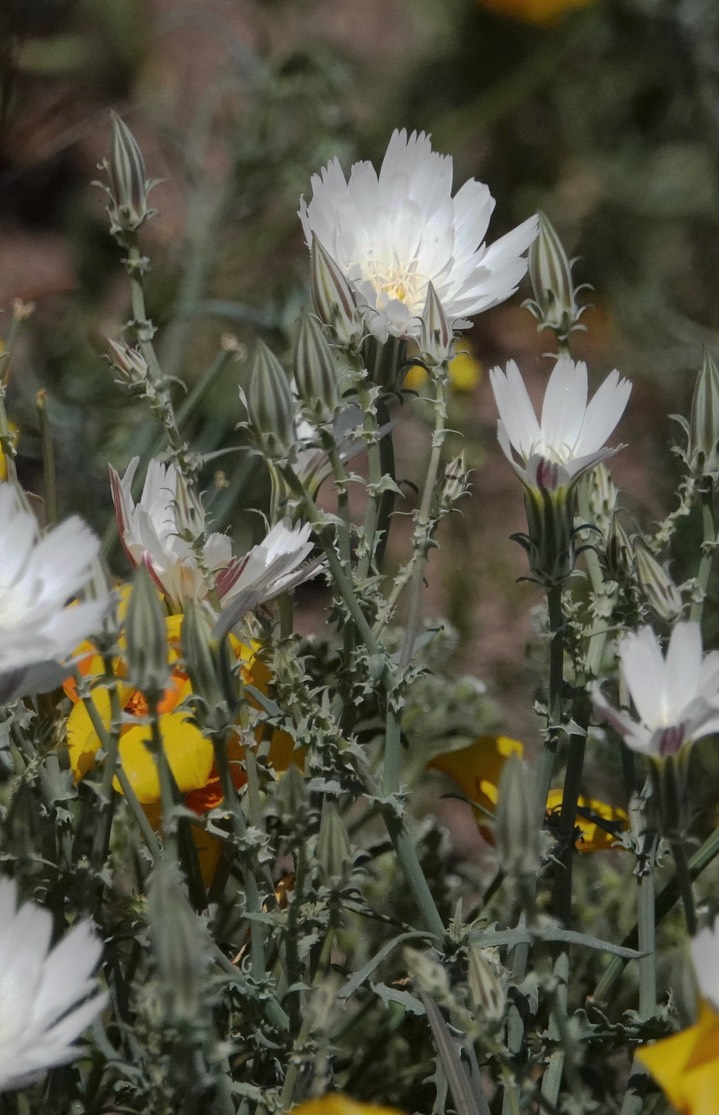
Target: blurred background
(604, 113)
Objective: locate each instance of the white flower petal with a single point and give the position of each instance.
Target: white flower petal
(394, 233)
(705, 955)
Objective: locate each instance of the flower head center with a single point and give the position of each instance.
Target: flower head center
(397, 282)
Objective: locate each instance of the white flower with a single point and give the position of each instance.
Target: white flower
(276, 564)
(160, 528)
(37, 578)
(41, 989)
(705, 954)
(392, 234)
(676, 698)
(570, 438)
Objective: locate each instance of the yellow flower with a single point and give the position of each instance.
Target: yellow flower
(591, 836)
(14, 437)
(533, 11)
(337, 1104)
(190, 755)
(686, 1065)
(464, 370)
(477, 769)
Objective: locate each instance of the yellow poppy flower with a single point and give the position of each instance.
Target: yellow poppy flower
(591, 837)
(464, 371)
(686, 1065)
(190, 755)
(533, 11)
(477, 769)
(337, 1104)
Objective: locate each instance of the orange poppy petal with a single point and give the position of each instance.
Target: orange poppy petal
(477, 768)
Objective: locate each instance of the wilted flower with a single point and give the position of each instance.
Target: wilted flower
(38, 629)
(686, 1066)
(158, 531)
(676, 697)
(41, 989)
(570, 438)
(392, 234)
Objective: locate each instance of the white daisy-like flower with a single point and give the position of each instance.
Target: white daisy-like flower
(273, 566)
(570, 438)
(394, 233)
(38, 576)
(705, 955)
(44, 1004)
(676, 697)
(160, 528)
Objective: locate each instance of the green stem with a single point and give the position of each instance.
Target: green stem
(48, 459)
(684, 882)
(709, 541)
(290, 1082)
(555, 701)
(422, 538)
(413, 873)
(374, 460)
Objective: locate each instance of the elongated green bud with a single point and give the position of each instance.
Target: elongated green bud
(146, 633)
(316, 373)
(487, 997)
(178, 944)
(516, 829)
(270, 406)
(128, 186)
(550, 274)
(436, 335)
(332, 295)
(334, 851)
(704, 422)
(456, 481)
(659, 590)
(618, 553)
(208, 666)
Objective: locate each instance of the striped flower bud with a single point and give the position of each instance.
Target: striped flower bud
(334, 851)
(703, 450)
(550, 274)
(486, 995)
(128, 187)
(316, 373)
(270, 405)
(332, 295)
(146, 634)
(618, 554)
(436, 341)
(179, 946)
(658, 589)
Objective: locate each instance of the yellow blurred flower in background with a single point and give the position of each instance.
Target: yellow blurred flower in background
(464, 370)
(533, 11)
(15, 436)
(337, 1104)
(477, 769)
(686, 1065)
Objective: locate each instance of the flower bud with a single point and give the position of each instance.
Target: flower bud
(516, 828)
(456, 481)
(436, 336)
(178, 945)
(146, 634)
(550, 274)
(618, 555)
(129, 362)
(316, 374)
(703, 450)
(334, 851)
(270, 406)
(128, 186)
(486, 996)
(659, 590)
(427, 973)
(208, 666)
(332, 295)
